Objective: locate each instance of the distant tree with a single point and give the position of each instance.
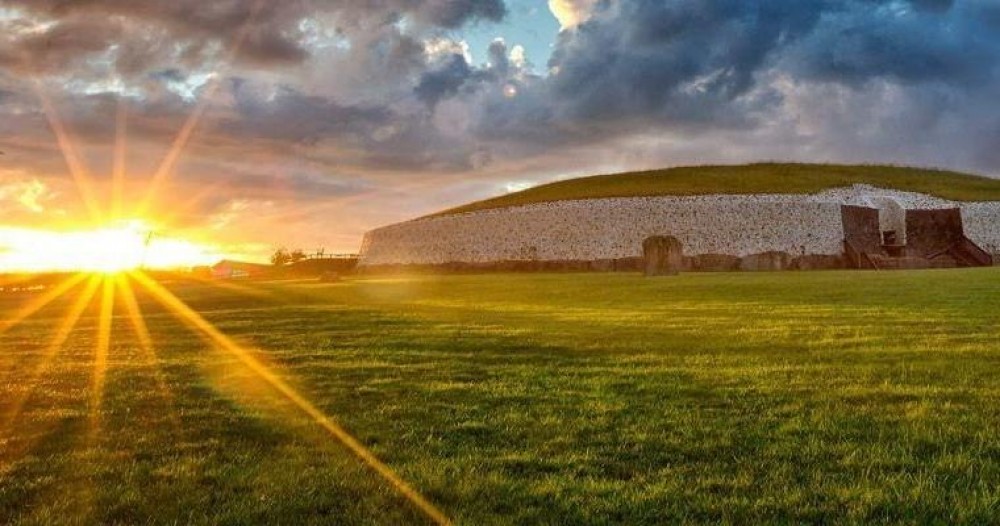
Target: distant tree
(296, 255)
(281, 257)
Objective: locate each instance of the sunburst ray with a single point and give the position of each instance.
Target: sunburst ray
(39, 303)
(118, 169)
(102, 347)
(166, 166)
(63, 331)
(146, 346)
(191, 318)
(77, 169)
(179, 210)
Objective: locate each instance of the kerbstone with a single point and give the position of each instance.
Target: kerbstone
(662, 256)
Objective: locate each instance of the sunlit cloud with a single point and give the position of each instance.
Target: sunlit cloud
(572, 13)
(28, 192)
(30, 197)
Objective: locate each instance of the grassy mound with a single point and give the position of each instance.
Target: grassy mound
(750, 179)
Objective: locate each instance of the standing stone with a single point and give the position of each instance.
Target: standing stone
(662, 255)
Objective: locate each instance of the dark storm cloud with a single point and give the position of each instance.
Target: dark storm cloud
(288, 115)
(933, 5)
(660, 60)
(161, 48)
(154, 27)
(444, 80)
(452, 14)
(272, 31)
(385, 88)
(635, 66)
(931, 44)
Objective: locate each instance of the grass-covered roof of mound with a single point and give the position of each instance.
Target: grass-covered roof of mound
(765, 178)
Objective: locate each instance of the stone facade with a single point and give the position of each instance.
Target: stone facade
(982, 226)
(614, 228)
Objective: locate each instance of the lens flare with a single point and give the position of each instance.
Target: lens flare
(215, 336)
(112, 257)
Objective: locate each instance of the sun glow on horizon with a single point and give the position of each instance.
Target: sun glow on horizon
(108, 263)
(117, 247)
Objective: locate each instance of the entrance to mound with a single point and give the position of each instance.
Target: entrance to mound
(892, 224)
(893, 237)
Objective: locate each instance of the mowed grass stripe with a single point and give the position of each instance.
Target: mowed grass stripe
(793, 397)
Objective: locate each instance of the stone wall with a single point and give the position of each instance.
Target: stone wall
(982, 225)
(932, 231)
(862, 228)
(611, 229)
(614, 229)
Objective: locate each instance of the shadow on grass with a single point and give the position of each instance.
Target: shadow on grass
(499, 425)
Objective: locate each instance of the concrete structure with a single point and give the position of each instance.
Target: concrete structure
(613, 229)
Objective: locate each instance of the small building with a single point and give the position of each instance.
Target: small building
(229, 269)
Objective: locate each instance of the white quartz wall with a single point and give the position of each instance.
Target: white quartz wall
(612, 229)
(982, 225)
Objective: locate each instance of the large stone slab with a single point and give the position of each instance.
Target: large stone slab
(662, 256)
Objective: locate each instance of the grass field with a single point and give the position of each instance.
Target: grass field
(764, 178)
(523, 399)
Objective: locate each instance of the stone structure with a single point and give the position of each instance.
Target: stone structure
(715, 230)
(662, 256)
(767, 261)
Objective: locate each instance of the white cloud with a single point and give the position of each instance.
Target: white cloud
(518, 57)
(438, 47)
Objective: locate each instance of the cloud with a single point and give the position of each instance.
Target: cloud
(452, 14)
(139, 34)
(31, 196)
(355, 103)
(443, 81)
(572, 13)
(29, 193)
(705, 68)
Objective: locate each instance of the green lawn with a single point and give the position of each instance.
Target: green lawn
(764, 178)
(525, 399)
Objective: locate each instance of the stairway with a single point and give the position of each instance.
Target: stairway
(964, 253)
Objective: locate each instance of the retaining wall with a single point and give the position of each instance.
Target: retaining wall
(610, 229)
(614, 228)
(982, 226)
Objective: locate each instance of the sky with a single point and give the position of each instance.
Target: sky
(317, 120)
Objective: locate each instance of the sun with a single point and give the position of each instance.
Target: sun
(115, 248)
(111, 248)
